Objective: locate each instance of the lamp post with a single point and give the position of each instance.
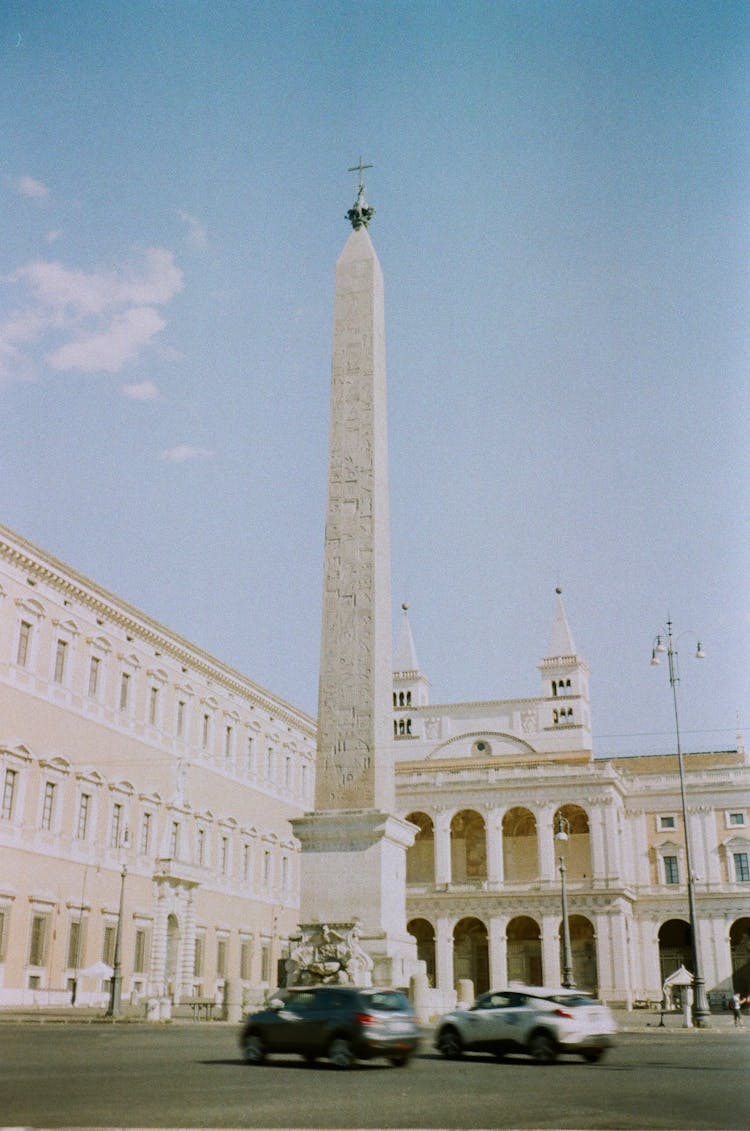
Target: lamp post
(666, 643)
(561, 836)
(114, 1009)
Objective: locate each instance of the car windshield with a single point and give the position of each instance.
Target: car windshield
(389, 1001)
(573, 999)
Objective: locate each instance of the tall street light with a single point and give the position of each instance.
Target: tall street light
(561, 836)
(665, 643)
(114, 1009)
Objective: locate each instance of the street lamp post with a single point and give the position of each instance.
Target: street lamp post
(114, 1009)
(561, 836)
(701, 1011)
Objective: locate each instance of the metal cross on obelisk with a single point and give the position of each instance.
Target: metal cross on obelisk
(360, 214)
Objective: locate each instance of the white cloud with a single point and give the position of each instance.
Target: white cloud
(33, 189)
(183, 452)
(112, 348)
(197, 233)
(141, 391)
(102, 320)
(54, 235)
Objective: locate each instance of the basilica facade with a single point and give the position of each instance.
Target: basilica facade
(504, 793)
(149, 788)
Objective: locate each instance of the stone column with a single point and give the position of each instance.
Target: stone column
(187, 955)
(546, 843)
(493, 820)
(443, 847)
(597, 841)
(551, 950)
(498, 947)
(444, 955)
(157, 976)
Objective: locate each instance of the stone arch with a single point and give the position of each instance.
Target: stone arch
(520, 849)
(675, 947)
(471, 954)
(468, 846)
(583, 952)
(524, 941)
(424, 933)
(420, 858)
(576, 851)
(739, 949)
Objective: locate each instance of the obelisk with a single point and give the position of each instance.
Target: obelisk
(353, 863)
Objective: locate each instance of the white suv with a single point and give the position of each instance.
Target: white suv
(537, 1020)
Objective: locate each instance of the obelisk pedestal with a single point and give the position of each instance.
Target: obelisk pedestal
(353, 863)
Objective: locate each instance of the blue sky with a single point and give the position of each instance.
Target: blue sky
(561, 194)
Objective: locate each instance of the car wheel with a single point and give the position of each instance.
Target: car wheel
(450, 1044)
(254, 1049)
(593, 1056)
(543, 1048)
(341, 1053)
(399, 1061)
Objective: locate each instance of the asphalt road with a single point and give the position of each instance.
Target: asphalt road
(192, 1076)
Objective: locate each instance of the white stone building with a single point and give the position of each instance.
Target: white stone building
(123, 745)
(487, 784)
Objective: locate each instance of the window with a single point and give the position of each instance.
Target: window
(246, 862)
(288, 772)
(269, 763)
(4, 916)
(9, 793)
(108, 944)
(265, 962)
(38, 940)
(221, 958)
(116, 827)
(667, 822)
(140, 955)
(124, 690)
(224, 855)
(198, 956)
(284, 873)
(48, 807)
(735, 819)
(153, 705)
(144, 846)
(206, 731)
(246, 957)
(24, 642)
(94, 669)
(61, 651)
(266, 868)
(174, 840)
(228, 743)
(74, 944)
(741, 867)
(180, 718)
(84, 807)
(200, 847)
(249, 755)
(671, 875)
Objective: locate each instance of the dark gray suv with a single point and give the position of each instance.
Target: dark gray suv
(342, 1023)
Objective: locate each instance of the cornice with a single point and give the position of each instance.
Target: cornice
(75, 586)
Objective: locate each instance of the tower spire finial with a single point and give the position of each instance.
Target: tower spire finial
(360, 214)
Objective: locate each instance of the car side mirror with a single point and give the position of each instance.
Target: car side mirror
(276, 1003)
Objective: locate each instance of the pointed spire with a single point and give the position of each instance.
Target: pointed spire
(405, 658)
(562, 643)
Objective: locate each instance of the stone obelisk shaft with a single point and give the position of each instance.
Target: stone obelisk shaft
(354, 768)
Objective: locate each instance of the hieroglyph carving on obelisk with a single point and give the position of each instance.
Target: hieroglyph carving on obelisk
(354, 719)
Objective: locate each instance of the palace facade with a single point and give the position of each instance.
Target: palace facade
(146, 784)
(134, 766)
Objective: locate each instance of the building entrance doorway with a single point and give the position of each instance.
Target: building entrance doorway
(675, 947)
(524, 951)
